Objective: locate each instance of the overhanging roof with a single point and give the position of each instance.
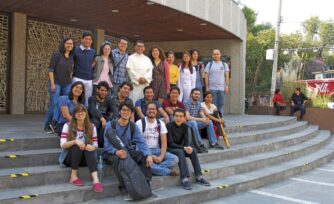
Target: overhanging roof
(135, 19)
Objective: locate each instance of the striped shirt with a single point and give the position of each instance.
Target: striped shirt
(80, 135)
(194, 108)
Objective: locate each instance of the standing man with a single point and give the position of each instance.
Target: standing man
(122, 95)
(197, 120)
(83, 64)
(217, 80)
(298, 101)
(154, 131)
(120, 58)
(139, 68)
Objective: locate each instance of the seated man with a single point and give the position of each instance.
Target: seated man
(298, 101)
(133, 141)
(179, 144)
(101, 109)
(122, 94)
(172, 102)
(141, 105)
(154, 131)
(197, 119)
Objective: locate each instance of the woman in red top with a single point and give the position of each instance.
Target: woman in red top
(278, 101)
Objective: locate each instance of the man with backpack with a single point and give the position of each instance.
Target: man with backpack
(154, 131)
(217, 80)
(123, 144)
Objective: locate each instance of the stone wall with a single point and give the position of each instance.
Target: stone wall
(4, 56)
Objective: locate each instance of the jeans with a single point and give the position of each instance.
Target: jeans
(163, 168)
(196, 126)
(60, 90)
(295, 108)
(218, 100)
(181, 154)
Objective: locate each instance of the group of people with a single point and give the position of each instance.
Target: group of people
(153, 105)
(298, 101)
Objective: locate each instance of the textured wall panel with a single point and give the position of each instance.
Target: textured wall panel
(4, 63)
(42, 40)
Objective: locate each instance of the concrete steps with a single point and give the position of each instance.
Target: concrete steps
(261, 147)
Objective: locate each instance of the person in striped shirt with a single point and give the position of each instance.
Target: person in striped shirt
(78, 141)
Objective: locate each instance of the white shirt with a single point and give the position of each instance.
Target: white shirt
(80, 135)
(213, 108)
(186, 78)
(138, 66)
(151, 133)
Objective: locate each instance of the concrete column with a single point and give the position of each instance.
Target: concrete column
(98, 38)
(18, 63)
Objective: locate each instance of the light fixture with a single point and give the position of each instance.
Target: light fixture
(73, 20)
(115, 11)
(179, 30)
(149, 3)
(203, 24)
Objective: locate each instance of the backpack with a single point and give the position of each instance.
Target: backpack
(211, 62)
(129, 171)
(143, 124)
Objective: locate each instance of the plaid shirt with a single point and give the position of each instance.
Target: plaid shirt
(194, 108)
(120, 72)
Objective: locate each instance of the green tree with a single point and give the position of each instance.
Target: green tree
(311, 27)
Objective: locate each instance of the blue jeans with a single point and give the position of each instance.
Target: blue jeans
(295, 108)
(196, 126)
(163, 168)
(60, 90)
(218, 100)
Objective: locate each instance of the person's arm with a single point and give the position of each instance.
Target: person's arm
(167, 109)
(193, 78)
(65, 112)
(92, 108)
(64, 144)
(167, 77)
(130, 68)
(189, 117)
(305, 99)
(227, 82)
(53, 62)
(206, 114)
(148, 74)
(164, 114)
(206, 77)
(140, 142)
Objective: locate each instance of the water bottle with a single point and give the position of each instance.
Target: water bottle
(100, 169)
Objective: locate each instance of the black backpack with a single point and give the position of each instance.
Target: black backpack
(131, 174)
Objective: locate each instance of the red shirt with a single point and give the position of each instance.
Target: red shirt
(278, 98)
(166, 104)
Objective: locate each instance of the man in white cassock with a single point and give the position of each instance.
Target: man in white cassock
(139, 68)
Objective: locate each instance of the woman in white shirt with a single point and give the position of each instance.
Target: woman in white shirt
(78, 141)
(210, 110)
(187, 77)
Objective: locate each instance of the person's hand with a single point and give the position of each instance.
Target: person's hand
(206, 120)
(89, 148)
(53, 88)
(188, 149)
(121, 154)
(221, 121)
(142, 80)
(103, 122)
(149, 161)
(158, 159)
(80, 144)
(167, 119)
(227, 90)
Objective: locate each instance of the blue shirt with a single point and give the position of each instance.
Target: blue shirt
(138, 139)
(83, 61)
(194, 108)
(143, 105)
(65, 101)
(120, 71)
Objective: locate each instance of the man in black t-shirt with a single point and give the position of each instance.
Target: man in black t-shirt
(101, 109)
(298, 100)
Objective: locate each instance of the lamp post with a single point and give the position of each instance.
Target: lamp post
(273, 76)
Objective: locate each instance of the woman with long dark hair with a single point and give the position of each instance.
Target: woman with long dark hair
(160, 75)
(66, 104)
(79, 143)
(199, 66)
(60, 77)
(187, 79)
(103, 69)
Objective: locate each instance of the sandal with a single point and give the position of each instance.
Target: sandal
(97, 187)
(77, 182)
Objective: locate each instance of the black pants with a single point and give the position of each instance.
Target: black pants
(138, 157)
(181, 154)
(100, 131)
(59, 128)
(278, 108)
(76, 157)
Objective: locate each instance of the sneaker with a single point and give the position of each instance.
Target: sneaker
(52, 128)
(48, 131)
(127, 197)
(174, 172)
(203, 182)
(203, 148)
(186, 185)
(216, 146)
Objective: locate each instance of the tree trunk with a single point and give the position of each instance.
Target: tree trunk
(256, 74)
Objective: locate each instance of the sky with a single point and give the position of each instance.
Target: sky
(293, 12)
